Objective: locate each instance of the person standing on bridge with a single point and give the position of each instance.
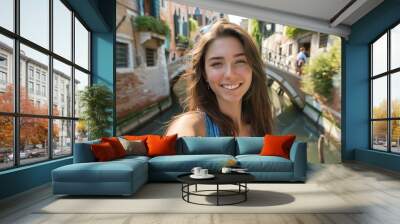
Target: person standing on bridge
(300, 61)
(226, 87)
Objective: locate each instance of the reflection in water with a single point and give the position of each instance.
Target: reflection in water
(290, 120)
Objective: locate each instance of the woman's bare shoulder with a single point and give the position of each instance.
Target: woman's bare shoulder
(188, 124)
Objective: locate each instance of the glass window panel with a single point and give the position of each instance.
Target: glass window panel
(395, 94)
(7, 14)
(379, 135)
(33, 140)
(31, 58)
(81, 131)
(6, 74)
(6, 142)
(379, 56)
(35, 21)
(62, 138)
(81, 45)
(122, 55)
(81, 81)
(62, 29)
(379, 97)
(62, 89)
(395, 136)
(395, 47)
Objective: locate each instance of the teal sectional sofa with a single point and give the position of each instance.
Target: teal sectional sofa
(125, 176)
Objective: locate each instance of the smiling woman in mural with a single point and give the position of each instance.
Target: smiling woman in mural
(226, 87)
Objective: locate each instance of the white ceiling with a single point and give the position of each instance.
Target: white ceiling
(316, 15)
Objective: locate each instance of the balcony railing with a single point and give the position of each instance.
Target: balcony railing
(282, 61)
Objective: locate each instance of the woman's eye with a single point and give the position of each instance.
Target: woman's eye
(216, 64)
(241, 62)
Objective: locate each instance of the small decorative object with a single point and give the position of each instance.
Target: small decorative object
(231, 163)
(196, 170)
(200, 173)
(226, 170)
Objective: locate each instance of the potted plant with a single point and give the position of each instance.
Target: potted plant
(96, 102)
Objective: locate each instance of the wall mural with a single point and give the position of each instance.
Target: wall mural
(157, 82)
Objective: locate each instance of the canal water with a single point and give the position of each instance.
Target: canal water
(290, 120)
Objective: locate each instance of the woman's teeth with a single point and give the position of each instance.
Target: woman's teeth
(231, 86)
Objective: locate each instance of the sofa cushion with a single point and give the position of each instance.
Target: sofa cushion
(257, 163)
(206, 145)
(131, 158)
(103, 151)
(117, 146)
(111, 171)
(161, 145)
(277, 145)
(185, 163)
(142, 138)
(134, 147)
(249, 145)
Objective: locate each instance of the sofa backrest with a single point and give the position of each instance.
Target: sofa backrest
(83, 152)
(249, 145)
(206, 145)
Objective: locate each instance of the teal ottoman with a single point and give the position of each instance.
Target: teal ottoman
(118, 177)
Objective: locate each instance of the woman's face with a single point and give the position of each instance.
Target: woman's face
(227, 70)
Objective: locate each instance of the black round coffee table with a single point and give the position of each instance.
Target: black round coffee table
(238, 179)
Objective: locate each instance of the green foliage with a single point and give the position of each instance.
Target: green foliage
(97, 102)
(255, 31)
(319, 73)
(182, 39)
(292, 32)
(151, 24)
(193, 25)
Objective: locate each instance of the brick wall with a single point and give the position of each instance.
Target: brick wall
(142, 87)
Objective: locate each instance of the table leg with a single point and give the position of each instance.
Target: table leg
(217, 194)
(188, 190)
(182, 189)
(245, 193)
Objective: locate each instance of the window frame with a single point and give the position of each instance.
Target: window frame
(125, 52)
(131, 66)
(388, 74)
(3, 71)
(153, 55)
(16, 115)
(323, 40)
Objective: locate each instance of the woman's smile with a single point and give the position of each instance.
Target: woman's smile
(231, 86)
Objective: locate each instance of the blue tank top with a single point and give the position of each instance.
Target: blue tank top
(211, 127)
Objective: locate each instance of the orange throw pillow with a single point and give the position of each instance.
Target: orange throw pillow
(161, 145)
(103, 151)
(275, 145)
(116, 145)
(135, 137)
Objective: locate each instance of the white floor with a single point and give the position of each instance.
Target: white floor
(377, 189)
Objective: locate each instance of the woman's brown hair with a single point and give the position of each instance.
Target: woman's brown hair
(256, 106)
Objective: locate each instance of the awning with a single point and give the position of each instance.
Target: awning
(325, 16)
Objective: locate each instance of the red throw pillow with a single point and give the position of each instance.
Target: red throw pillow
(161, 145)
(275, 145)
(116, 145)
(103, 151)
